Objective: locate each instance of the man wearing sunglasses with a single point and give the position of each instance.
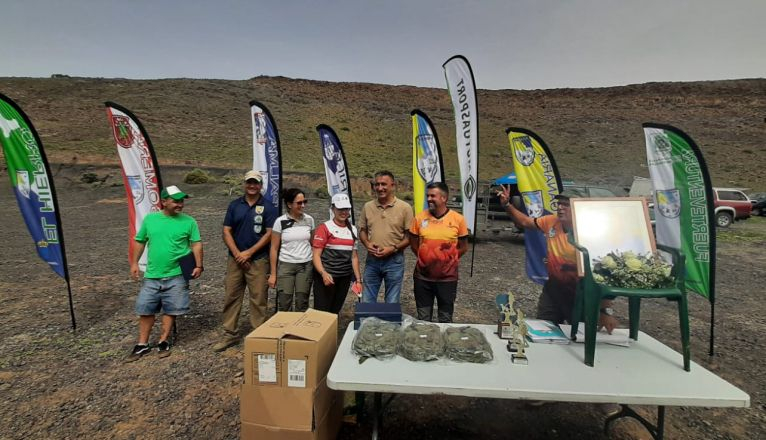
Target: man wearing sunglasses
(557, 300)
(247, 234)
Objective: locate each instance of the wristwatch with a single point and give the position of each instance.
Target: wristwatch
(608, 311)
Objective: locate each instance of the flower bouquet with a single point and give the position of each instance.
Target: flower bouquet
(631, 271)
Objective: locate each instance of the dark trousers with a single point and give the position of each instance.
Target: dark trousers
(330, 298)
(556, 302)
(443, 291)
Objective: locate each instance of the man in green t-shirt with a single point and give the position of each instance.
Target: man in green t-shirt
(171, 235)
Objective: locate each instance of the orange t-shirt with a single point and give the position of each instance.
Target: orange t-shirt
(438, 254)
(562, 256)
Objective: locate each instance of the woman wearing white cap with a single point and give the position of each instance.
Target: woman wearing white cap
(335, 257)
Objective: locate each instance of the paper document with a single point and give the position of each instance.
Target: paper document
(619, 336)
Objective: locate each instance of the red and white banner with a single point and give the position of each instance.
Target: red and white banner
(140, 171)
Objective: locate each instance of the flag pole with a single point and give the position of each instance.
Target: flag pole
(712, 329)
(71, 304)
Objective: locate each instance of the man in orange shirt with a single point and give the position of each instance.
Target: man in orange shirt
(557, 300)
(439, 237)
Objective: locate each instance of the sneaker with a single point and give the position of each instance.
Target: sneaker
(138, 351)
(163, 348)
(225, 343)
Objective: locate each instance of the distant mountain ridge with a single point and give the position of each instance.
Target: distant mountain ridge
(595, 133)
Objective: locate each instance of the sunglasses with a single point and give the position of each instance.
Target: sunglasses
(302, 202)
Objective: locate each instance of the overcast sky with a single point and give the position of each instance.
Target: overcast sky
(525, 44)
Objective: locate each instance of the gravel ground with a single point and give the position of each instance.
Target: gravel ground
(57, 383)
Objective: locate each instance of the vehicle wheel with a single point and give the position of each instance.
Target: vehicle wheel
(723, 219)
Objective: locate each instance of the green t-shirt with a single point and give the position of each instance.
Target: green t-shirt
(168, 239)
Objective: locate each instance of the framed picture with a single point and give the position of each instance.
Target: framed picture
(611, 224)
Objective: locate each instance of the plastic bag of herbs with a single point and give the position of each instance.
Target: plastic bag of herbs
(467, 344)
(376, 338)
(421, 341)
(632, 271)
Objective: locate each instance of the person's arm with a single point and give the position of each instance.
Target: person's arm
(517, 216)
(196, 248)
(405, 241)
(414, 242)
(228, 240)
(355, 266)
(607, 321)
(462, 246)
(364, 236)
(276, 241)
(317, 246)
(390, 250)
(365, 239)
(138, 249)
(317, 259)
(246, 255)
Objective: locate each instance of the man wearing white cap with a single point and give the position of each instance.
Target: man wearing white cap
(171, 236)
(247, 234)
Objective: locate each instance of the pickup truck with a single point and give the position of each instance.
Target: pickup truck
(730, 204)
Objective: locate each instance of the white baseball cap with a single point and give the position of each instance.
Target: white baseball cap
(341, 201)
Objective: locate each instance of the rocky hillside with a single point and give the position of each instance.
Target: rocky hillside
(595, 134)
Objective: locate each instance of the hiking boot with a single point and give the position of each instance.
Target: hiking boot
(163, 348)
(138, 351)
(225, 343)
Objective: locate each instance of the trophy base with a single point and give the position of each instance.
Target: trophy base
(519, 359)
(504, 330)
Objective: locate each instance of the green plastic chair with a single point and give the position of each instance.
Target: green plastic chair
(590, 293)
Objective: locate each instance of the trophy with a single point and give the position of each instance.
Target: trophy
(519, 356)
(505, 325)
(505, 328)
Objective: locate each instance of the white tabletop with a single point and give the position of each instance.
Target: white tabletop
(646, 373)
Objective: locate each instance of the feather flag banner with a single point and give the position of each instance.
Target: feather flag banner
(335, 168)
(33, 187)
(140, 170)
(267, 155)
(462, 90)
(427, 164)
(539, 182)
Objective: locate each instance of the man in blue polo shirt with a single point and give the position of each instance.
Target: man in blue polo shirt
(247, 234)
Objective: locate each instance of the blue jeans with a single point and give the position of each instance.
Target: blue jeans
(171, 295)
(377, 270)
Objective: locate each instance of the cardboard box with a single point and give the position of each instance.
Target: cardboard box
(291, 350)
(294, 408)
(386, 311)
(290, 413)
(326, 429)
